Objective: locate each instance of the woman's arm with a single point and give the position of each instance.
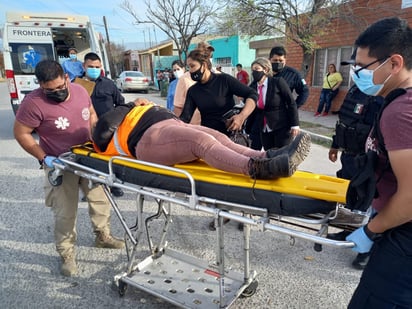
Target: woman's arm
(188, 108)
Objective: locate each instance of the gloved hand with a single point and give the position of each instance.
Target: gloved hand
(50, 160)
(362, 242)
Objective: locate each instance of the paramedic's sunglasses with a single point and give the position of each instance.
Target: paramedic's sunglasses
(366, 66)
(61, 87)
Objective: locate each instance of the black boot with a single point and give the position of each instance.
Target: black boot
(265, 168)
(297, 150)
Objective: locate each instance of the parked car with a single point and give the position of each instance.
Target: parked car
(133, 81)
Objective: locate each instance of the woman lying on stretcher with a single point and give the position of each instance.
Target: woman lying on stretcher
(154, 134)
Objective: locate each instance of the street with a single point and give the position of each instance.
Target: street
(290, 274)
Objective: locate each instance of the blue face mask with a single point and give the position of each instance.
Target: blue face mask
(93, 73)
(364, 80)
(73, 56)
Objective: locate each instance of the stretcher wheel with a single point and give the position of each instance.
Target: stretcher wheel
(122, 288)
(54, 181)
(317, 247)
(251, 289)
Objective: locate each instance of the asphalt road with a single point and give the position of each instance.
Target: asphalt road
(289, 275)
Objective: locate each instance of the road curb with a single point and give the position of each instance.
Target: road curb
(317, 138)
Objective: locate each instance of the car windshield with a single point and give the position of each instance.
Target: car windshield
(134, 74)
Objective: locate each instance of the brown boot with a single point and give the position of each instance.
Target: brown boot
(69, 266)
(297, 150)
(105, 240)
(265, 168)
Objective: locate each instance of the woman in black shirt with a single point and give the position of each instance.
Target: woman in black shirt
(213, 94)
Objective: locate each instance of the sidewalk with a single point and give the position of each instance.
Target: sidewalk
(321, 128)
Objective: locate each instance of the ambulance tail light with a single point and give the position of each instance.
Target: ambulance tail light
(11, 84)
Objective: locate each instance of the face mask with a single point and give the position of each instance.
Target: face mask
(365, 80)
(257, 75)
(277, 66)
(59, 95)
(178, 73)
(93, 73)
(196, 76)
(73, 56)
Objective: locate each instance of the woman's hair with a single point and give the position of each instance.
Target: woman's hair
(202, 53)
(179, 63)
(265, 64)
(332, 65)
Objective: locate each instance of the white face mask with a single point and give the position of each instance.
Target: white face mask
(178, 73)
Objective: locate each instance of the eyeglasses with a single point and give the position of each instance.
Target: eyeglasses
(356, 71)
(61, 87)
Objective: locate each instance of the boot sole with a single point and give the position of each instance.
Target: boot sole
(301, 144)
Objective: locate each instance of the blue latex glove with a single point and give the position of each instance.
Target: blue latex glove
(50, 160)
(362, 242)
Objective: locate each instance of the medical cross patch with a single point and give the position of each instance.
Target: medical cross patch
(62, 123)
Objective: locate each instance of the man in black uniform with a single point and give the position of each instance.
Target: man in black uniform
(292, 76)
(356, 117)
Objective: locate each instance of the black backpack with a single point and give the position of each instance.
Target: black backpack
(362, 187)
(356, 118)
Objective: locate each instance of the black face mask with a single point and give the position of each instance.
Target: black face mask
(277, 66)
(58, 96)
(197, 76)
(257, 75)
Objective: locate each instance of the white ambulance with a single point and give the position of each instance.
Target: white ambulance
(31, 37)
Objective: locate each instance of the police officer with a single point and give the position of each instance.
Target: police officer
(294, 79)
(355, 120)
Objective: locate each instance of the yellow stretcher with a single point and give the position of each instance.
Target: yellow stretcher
(305, 198)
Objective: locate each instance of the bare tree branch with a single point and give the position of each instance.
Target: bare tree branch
(180, 20)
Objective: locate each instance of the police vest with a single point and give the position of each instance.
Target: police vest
(356, 117)
(362, 187)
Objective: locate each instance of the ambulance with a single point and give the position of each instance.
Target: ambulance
(31, 37)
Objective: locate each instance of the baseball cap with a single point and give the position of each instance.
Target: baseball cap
(351, 60)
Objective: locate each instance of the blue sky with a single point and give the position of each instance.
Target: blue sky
(120, 23)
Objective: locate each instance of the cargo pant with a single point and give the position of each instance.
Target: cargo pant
(63, 200)
(386, 281)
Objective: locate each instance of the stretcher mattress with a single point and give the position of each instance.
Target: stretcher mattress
(302, 193)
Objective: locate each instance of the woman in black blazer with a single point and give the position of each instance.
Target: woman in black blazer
(275, 120)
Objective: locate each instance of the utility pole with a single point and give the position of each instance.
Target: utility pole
(111, 64)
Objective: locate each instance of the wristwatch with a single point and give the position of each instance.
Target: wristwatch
(42, 161)
(371, 235)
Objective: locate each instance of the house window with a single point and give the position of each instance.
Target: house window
(224, 62)
(326, 56)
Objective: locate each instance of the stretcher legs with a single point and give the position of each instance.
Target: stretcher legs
(165, 271)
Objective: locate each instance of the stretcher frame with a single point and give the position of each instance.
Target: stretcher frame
(164, 272)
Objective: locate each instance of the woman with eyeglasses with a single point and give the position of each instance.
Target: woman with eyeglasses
(330, 88)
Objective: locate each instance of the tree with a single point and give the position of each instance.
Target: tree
(180, 20)
(298, 21)
(117, 55)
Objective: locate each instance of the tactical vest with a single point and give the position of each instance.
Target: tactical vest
(356, 117)
(362, 187)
